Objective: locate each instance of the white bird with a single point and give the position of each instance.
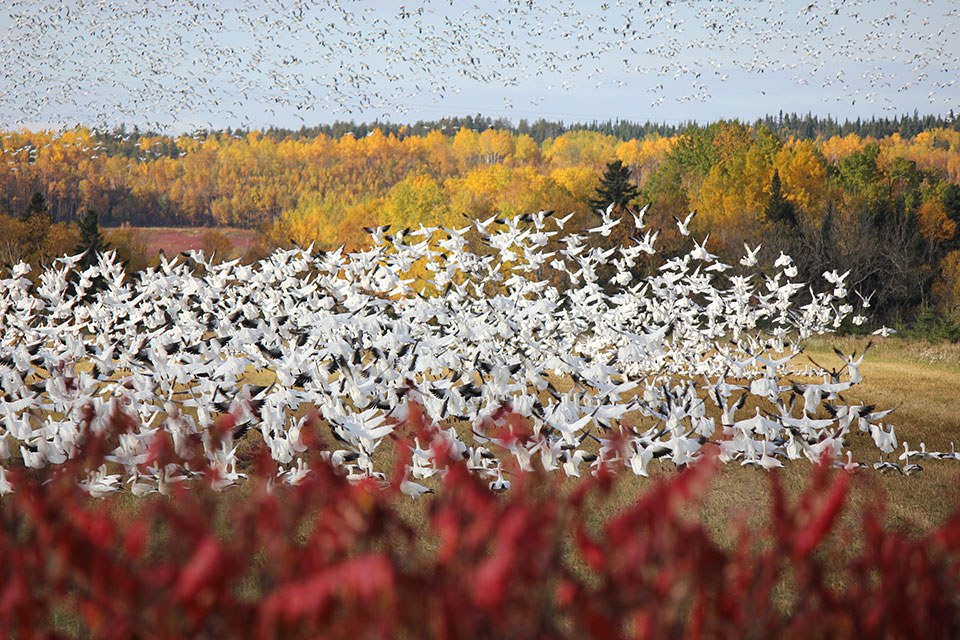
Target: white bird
(750, 258)
(638, 217)
(413, 489)
(700, 252)
(499, 484)
(5, 485)
(684, 225)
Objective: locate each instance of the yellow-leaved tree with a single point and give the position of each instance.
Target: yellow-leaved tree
(495, 145)
(580, 148)
(803, 174)
(838, 147)
(934, 223)
(734, 194)
(466, 148)
(525, 151)
(475, 193)
(315, 219)
(415, 200)
(946, 288)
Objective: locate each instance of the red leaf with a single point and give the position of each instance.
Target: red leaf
(204, 566)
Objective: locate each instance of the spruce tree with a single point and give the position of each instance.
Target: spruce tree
(91, 241)
(779, 209)
(615, 188)
(36, 207)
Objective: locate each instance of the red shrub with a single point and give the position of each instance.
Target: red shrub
(330, 559)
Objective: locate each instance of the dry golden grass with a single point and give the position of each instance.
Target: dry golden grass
(939, 355)
(923, 382)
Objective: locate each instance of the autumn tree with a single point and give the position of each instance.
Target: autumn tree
(217, 245)
(36, 224)
(12, 248)
(131, 247)
(580, 148)
(62, 238)
(946, 289)
(803, 175)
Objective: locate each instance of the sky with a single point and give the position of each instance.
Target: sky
(177, 66)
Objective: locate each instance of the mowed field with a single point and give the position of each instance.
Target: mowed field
(173, 240)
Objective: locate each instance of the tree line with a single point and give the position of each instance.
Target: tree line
(885, 207)
(792, 125)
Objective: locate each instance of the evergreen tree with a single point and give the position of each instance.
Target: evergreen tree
(36, 207)
(615, 187)
(91, 241)
(779, 209)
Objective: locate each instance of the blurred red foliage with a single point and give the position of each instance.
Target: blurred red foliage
(329, 559)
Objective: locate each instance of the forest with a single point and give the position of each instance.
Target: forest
(880, 198)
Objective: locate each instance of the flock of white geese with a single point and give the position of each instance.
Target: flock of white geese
(251, 64)
(632, 361)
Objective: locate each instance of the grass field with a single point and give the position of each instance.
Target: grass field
(923, 382)
(920, 379)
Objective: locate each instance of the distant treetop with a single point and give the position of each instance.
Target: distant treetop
(802, 127)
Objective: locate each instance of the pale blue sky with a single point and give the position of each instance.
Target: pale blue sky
(181, 65)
